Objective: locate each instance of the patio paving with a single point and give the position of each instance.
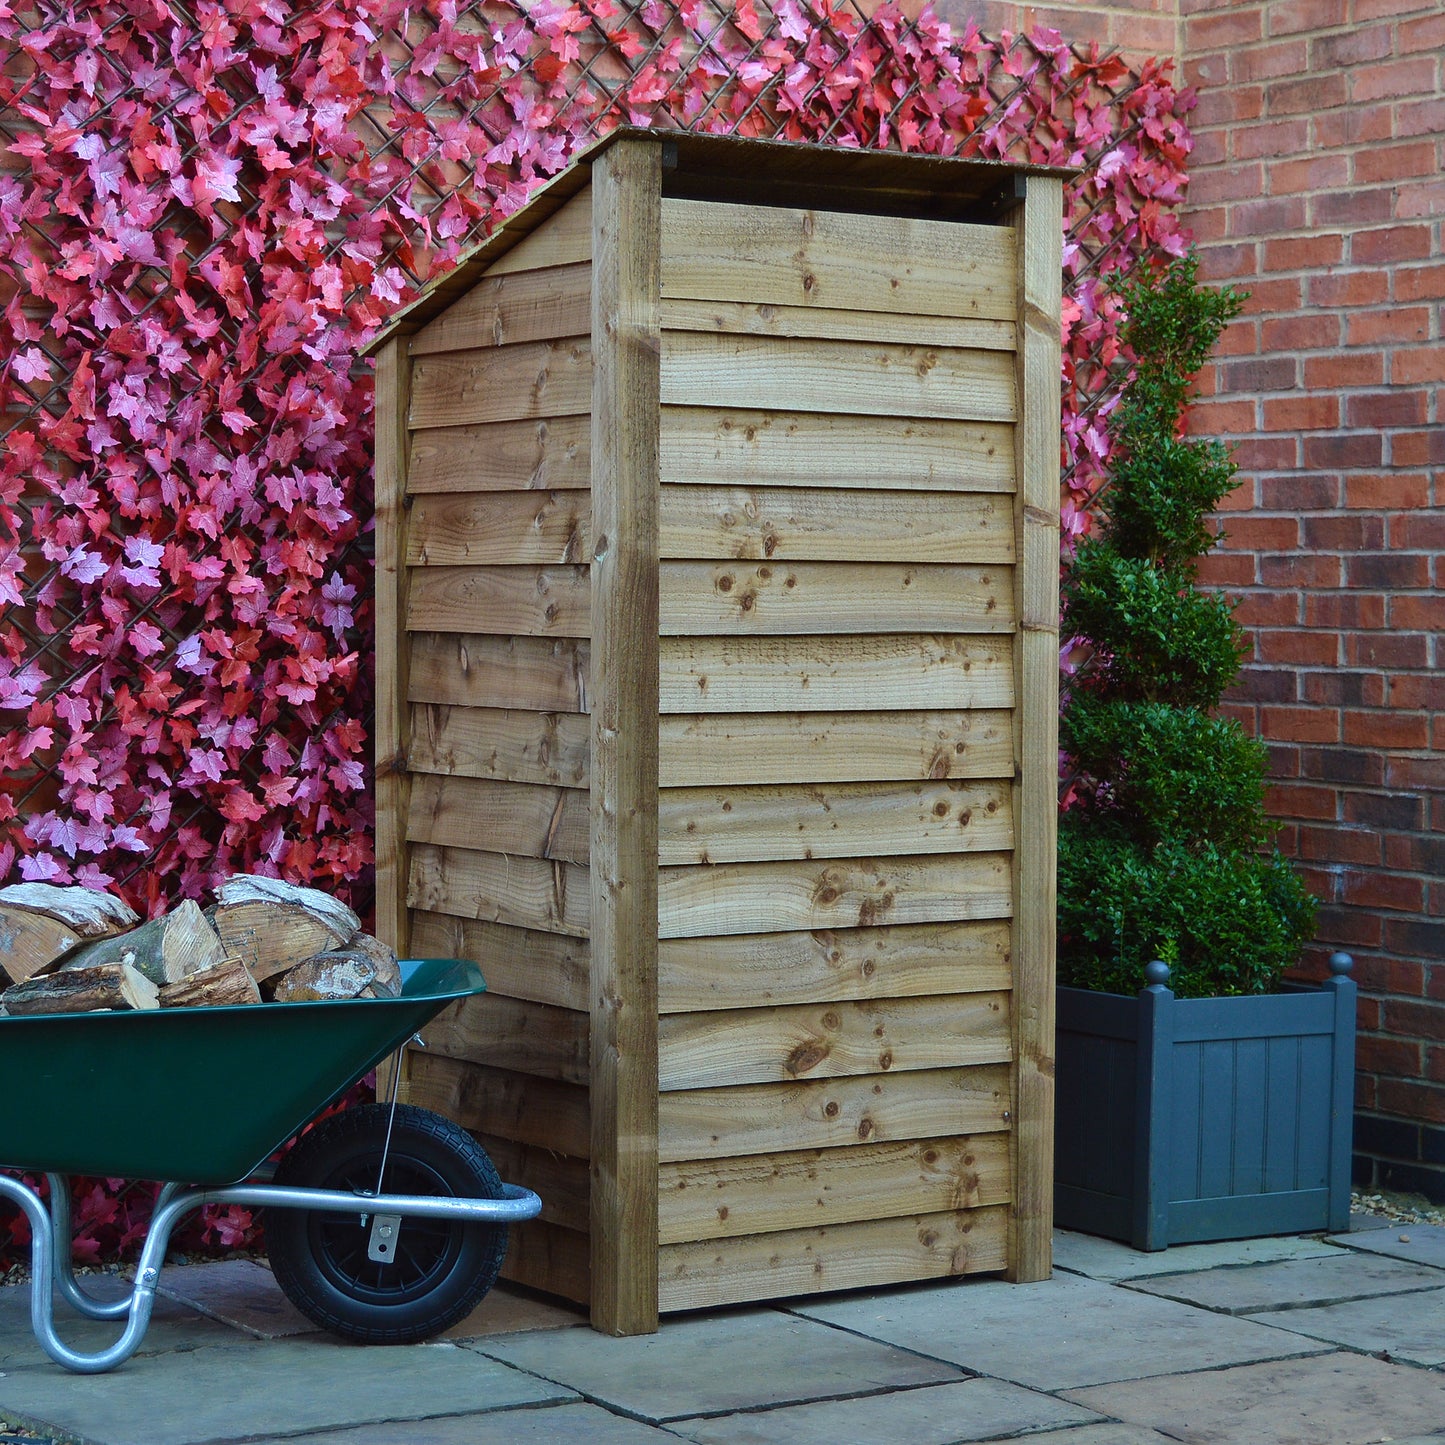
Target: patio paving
(1148, 1357)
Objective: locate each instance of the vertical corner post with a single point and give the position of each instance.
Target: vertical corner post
(1039, 232)
(1342, 1101)
(390, 456)
(626, 347)
(1153, 1111)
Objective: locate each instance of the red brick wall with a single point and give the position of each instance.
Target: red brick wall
(1138, 27)
(1317, 183)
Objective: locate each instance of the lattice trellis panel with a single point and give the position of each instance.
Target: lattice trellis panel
(206, 208)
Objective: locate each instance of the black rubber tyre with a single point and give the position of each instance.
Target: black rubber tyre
(441, 1267)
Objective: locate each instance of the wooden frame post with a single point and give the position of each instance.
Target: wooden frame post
(393, 402)
(1039, 226)
(626, 249)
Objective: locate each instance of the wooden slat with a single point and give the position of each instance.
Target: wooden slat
(709, 1273)
(546, 1257)
(561, 1180)
(517, 1035)
(705, 446)
(518, 962)
(841, 820)
(510, 744)
(785, 524)
(834, 747)
(564, 239)
(502, 456)
(823, 674)
(520, 818)
(510, 601)
(831, 1113)
(821, 1041)
(831, 597)
(1037, 717)
(846, 325)
(393, 391)
(501, 310)
(520, 891)
(841, 261)
(856, 378)
(812, 1187)
(752, 969)
(626, 216)
(505, 383)
(504, 528)
(533, 673)
(522, 1107)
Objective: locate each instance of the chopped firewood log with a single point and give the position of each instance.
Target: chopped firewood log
(165, 950)
(227, 982)
(83, 990)
(40, 924)
(273, 926)
(342, 973)
(387, 983)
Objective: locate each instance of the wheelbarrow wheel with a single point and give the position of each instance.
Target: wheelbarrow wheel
(439, 1268)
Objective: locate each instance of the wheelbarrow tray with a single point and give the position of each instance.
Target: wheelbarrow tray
(198, 1095)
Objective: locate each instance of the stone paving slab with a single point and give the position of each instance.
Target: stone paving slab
(1406, 1327)
(1339, 1398)
(257, 1388)
(1107, 1259)
(1419, 1243)
(238, 1292)
(173, 1326)
(1345, 1275)
(509, 1311)
(933, 1415)
(1063, 1333)
(573, 1424)
(718, 1363)
(1110, 1434)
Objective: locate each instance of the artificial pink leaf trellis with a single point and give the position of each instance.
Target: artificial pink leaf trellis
(204, 210)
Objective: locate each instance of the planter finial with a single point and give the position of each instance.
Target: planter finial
(1341, 964)
(1157, 973)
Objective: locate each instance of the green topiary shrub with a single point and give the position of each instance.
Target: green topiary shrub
(1167, 852)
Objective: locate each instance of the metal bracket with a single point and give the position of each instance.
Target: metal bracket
(381, 1242)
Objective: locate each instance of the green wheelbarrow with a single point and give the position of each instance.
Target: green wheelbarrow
(385, 1224)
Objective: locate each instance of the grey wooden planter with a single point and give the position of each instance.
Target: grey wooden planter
(1181, 1120)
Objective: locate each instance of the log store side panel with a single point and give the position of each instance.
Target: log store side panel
(836, 749)
(495, 549)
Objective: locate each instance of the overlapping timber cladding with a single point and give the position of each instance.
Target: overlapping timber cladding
(717, 585)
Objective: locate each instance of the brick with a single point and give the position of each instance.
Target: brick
(1227, 263)
(1351, 368)
(1420, 117)
(1310, 173)
(1220, 418)
(1267, 609)
(1396, 162)
(1399, 323)
(1261, 373)
(1269, 62)
(1379, 1055)
(1340, 610)
(1387, 729)
(1303, 253)
(1419, 283)
(1259, 534)
(1394, 892)
(1385, 810)
(1227, 105)
(1363, 767)
(1352, 208)
(1257, 684)
(1418, 614)
(1211, 184)
(1416, 853)
(1391, 79)
(1425, 33)
(1425, 773)
(1419, 364)
(1237, 25)
(1269, 214)
(1362, 43)
(1314, 332)
(1393, 243)
(1306, 97)
(1313, 412)
(1416, 200)
(1418, 449)
(1387, 649)
(1225, 569)
(1350, 288)
(1425, 533)
(1305, 649)
(1416, 938)
(1345, 452)
(1299, 571)
(1283, 761)
(1300, 724)
(1297, 494)
(1417, 691)
(1335, 688)
(1300, 800)
(1211, 149)
(1395, 408)
(1412, 1100)
(1392, 491)
(1387, 570)
(1344, 533)
(1415, 1020)
(1338, 845)
(1271, 296)
(1291, 17)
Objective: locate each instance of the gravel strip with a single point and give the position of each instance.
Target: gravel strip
(1403, 1208)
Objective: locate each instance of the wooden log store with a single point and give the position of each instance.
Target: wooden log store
(717, 599)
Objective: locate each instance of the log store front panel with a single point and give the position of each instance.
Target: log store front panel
(725, 585)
